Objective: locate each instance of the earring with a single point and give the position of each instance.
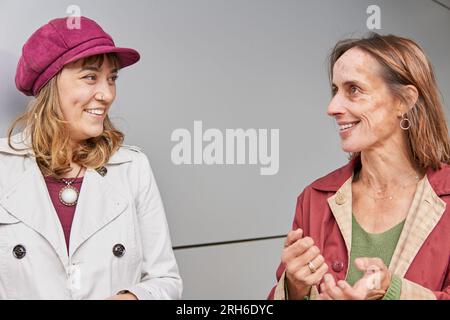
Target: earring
(405, 124)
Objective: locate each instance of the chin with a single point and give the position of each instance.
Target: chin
(350, 148)
(94, 134)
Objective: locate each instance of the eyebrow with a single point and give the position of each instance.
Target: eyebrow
(349, 83)
(96, 69)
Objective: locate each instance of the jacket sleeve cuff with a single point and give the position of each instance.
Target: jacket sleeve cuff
(395, 289)
(139, 292)
(281, 290)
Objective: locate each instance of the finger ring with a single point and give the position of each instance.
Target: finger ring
(312, 267)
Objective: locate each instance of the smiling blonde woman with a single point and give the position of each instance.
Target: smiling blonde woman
(81, 216)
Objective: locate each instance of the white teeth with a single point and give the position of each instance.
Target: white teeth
(347, 126)
(95, 111)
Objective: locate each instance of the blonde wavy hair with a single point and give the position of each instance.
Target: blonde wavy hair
(50, 140)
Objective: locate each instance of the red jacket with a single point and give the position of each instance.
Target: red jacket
(429, 267)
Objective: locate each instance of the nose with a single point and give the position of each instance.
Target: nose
(105, 92)
(336, 106)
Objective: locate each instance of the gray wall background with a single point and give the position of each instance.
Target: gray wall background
(232, 64)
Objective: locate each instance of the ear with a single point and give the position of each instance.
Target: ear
(411, 95)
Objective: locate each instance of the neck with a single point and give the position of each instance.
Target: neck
(75, 167)
(384, 170)
(76, 171)
(74, 144)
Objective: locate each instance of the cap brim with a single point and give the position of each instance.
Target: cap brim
(127, 56)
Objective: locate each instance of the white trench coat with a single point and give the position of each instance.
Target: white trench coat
(122, 208)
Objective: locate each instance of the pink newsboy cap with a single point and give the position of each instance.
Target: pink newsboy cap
(56, 44)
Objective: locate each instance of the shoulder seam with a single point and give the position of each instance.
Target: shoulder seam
(130, 147)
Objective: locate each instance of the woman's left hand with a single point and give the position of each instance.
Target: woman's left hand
(123, 296)
(373, 285)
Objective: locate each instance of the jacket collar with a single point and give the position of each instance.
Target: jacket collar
(100, 202)
(335, 180)
(28, 201)
(340, 204)
(425, 212)
(22, 146)
(439, 180)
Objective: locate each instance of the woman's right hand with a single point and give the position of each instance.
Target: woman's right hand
(297, 253)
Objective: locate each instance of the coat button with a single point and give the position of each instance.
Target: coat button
(19, 251)
(340, 198)
(102, 171)
(337, 266)
(118, 250)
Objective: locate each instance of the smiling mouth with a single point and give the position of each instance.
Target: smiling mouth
(347, 126)
(95, 111)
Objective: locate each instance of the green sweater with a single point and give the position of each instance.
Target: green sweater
(381, 245)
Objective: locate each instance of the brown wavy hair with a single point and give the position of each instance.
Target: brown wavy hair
(44, 124)
(403, 63)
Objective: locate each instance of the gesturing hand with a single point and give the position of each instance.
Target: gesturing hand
(373, 285)
(305, 266)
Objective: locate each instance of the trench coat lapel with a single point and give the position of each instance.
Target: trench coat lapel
(341, 206)
(424, 214)
(99, 203)
(29, 201)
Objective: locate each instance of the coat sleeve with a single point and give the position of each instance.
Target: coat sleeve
(160, 277)
(413, 291)
(445, 293)
(278, 292)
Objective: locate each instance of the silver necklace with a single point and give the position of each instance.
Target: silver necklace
(68, 195)
(389, 196)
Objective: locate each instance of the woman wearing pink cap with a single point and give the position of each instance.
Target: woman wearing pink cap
(81, 216)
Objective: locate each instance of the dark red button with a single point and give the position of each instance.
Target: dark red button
(337, 266)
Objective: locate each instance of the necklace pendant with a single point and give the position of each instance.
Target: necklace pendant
(68, 195)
